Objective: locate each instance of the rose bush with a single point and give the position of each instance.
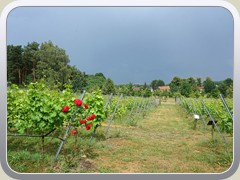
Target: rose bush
(38, 110)
(35, 109)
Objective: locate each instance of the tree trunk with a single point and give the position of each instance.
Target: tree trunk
(34, 72)
(19, 75)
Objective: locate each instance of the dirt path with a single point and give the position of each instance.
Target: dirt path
(165, 142)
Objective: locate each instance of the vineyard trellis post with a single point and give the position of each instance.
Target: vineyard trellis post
(68, 129)
(113, 114)
(214, 123)
(108, 102)
(226, 106)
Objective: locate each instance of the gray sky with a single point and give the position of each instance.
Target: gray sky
(133, 44)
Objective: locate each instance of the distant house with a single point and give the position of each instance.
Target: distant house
(163, 88)
(200, 88)
(135, 88)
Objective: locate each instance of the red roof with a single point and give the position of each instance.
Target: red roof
(161, 88)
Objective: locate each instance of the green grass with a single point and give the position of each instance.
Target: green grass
(163, 142)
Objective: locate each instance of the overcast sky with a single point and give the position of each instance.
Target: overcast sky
(133, 44)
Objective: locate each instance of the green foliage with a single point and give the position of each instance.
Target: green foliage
(147, 92)
(209, 85)
(176, 94)
(225, 87)
(15, 64)
(186, 88)
(77, 79)
(129, 90)
(32, 62)
(125, 106)
(95, 101)
(216, 109)
(199, 82)
(229, 92)
(36, 109)
(52, 64)
(108, 87)
(35, 61)
(191, 88)
(94, 82)
(157, 92)
(156, 83)
(126, 89)
(175, 84)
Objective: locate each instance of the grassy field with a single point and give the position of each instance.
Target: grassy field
(163, 142)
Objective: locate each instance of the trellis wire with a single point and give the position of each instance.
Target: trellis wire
(28, 135)
(42, 136)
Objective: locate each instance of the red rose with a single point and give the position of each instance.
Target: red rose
(86, 106)
(65, 109)
(74, 131)
(88, 126)
(83, 121)
(78, 102)
(91, 117)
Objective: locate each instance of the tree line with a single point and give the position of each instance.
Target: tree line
(191, 87)
(47, 61)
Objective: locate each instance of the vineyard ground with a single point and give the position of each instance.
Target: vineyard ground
(163, 142)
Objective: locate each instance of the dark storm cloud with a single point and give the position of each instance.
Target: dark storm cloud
(134, 44)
